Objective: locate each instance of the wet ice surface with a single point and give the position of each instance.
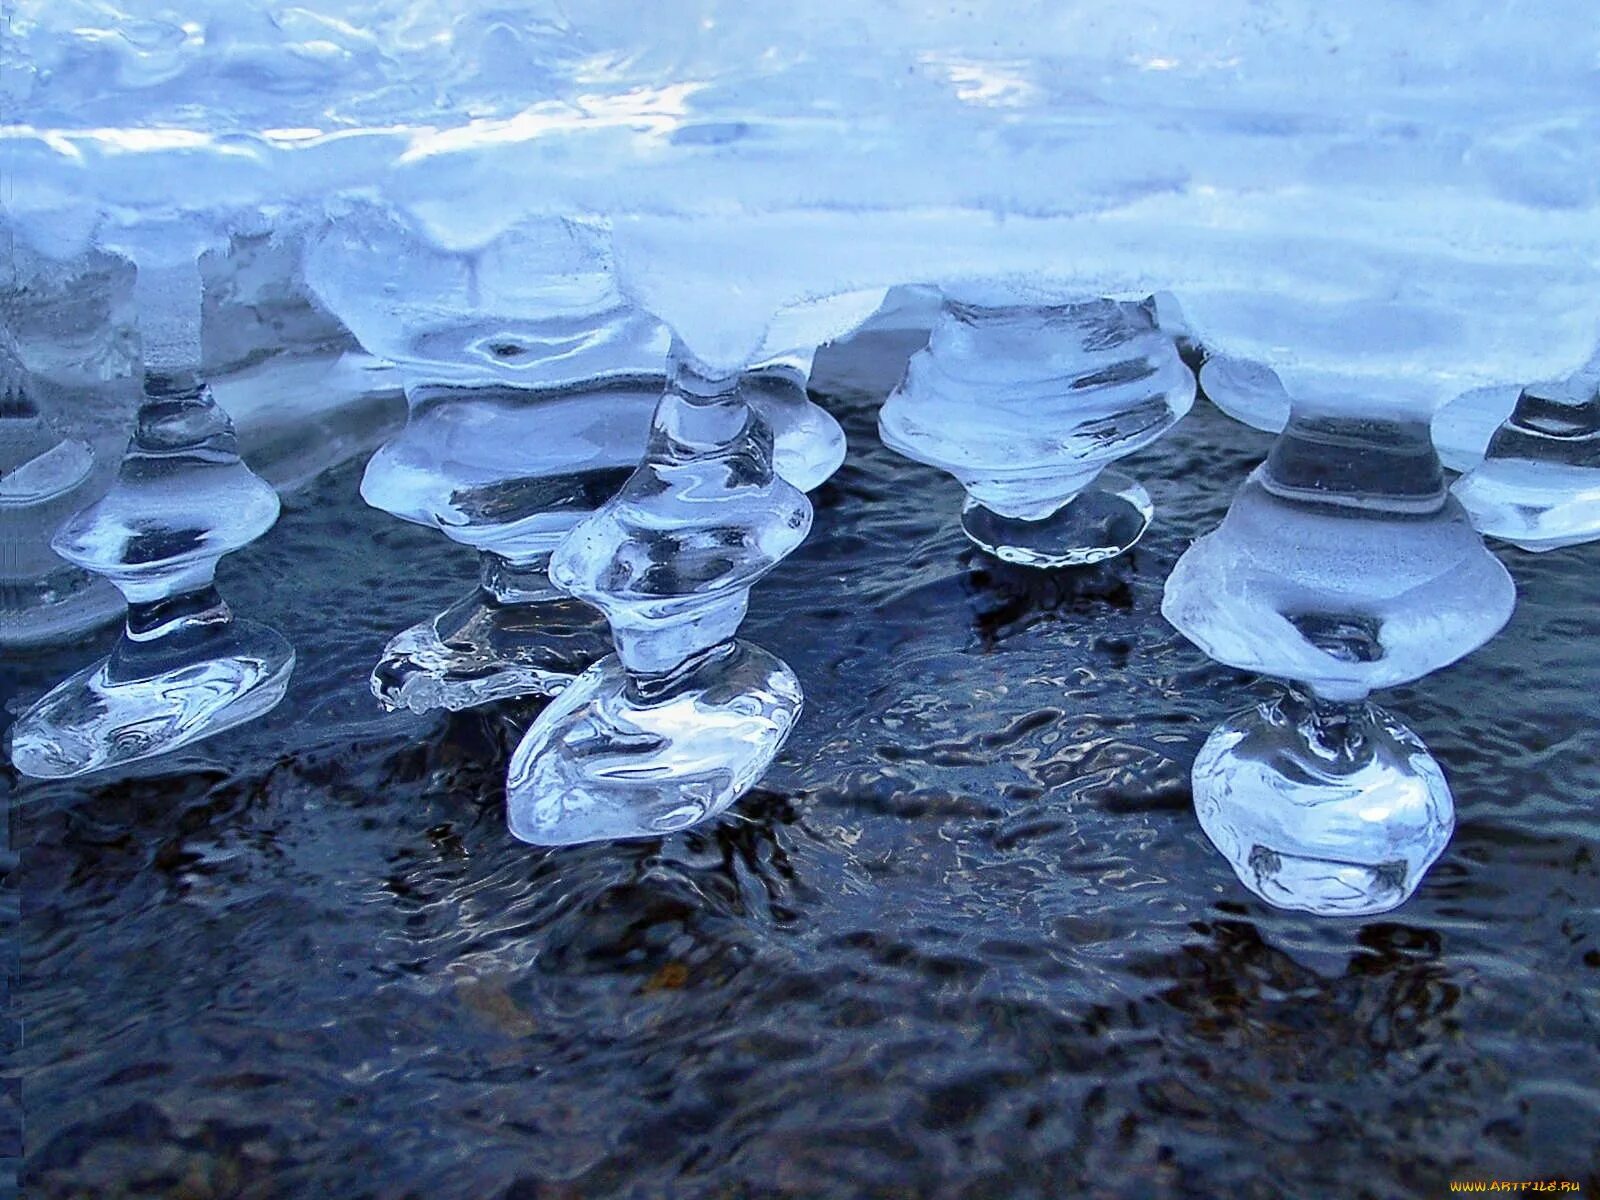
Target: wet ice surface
(967, 939)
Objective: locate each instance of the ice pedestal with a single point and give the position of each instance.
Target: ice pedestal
(509, 473)
(184, 668)
(1335, 809)
(683, 718)
(1344, 566)
(527, 382)
(44, 479)
(1027, 406)
(1537, 485)
(531, 381)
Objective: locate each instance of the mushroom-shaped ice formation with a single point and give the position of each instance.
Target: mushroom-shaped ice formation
(684, 718)
(1027, 405)
(531, 380)
(184, 668)
(1343, 565)
(1537, 483)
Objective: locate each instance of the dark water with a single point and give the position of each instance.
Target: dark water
(967, 940)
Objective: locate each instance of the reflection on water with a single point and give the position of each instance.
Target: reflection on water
(966, 938)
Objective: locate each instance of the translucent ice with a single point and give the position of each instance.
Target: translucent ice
(672, 557)
(610, 759)
(537, 306)
(282, 369)
(1026, 406)
(1339, 812)
(683, 719)
(527, 377)
(532, 381)
(1343, 565)
(511, 471)
(44, 478)
(1246, 391)
(1329, 199)
(184, 669)
(1538, 483)
(302, 395)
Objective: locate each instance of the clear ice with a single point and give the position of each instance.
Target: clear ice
(683, 718)
(510, 472)
(1344, 565)
(1538, 483)
(1337, 810)
(184, 668)
(519, 205)
(44, 478)
(531, 383)
(1247, 391)
(1026, 405)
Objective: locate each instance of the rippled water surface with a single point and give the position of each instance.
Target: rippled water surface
(967, 940)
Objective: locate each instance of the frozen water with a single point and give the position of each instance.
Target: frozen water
(532, 382)
(300, 415)
(183, 499)
(510, 472)
(1338, 813)
(672, 557)
(607, 760)
(670, 560)
(1246, 391)
(1464, 427)
(1538, 482)
(44, 478)
(1026, 406)
(150, 699)
(299, 390)
(513, 635)
(1343, 565)
(256, 306)
(285, 371)
(73, 329)
(528, 379)
(184, 669)
(536, 307)
(1328, 199)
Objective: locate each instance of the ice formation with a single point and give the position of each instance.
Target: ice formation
(1323, 196)
(531, 381)
(44, 479)
(684, 718)
(1536, 481)
(520, 208)
(1247, 391)
(1344, 565)
(184, 668)
(1027, 406)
